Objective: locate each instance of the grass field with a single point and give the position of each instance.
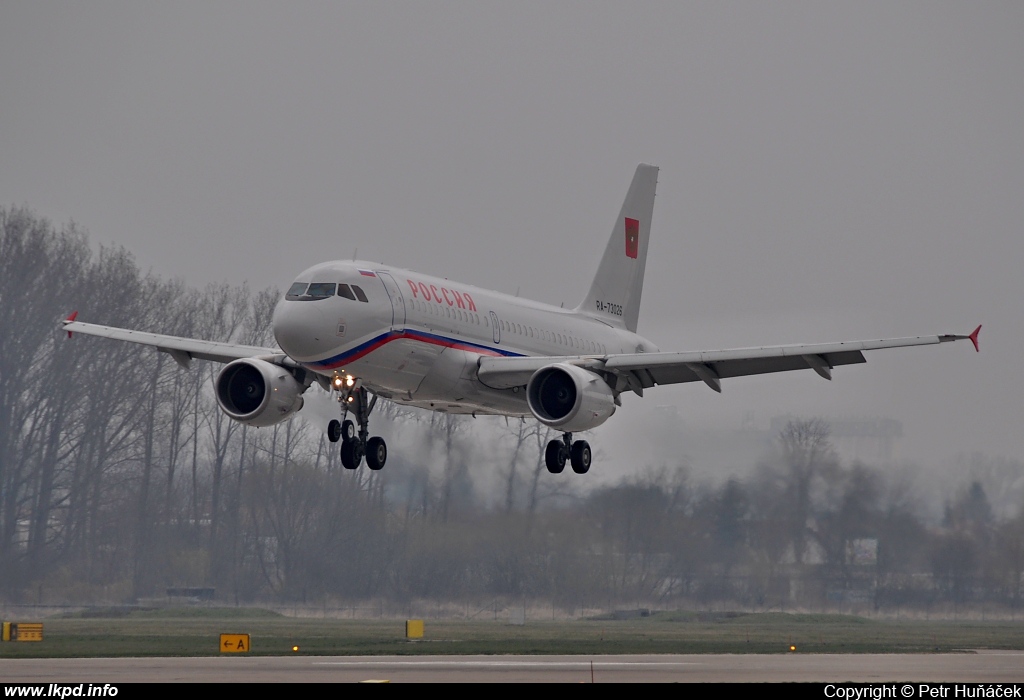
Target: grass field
(195, 632)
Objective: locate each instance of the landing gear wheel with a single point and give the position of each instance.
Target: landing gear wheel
(554, 456)
(351, 453)
(581, 456)
(376, 453)
(348, 430)
(334, 430)
(358, 404)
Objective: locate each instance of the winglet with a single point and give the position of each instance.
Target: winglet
(974, 338)
(69, 319)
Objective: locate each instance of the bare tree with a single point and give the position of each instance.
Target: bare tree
(38, 268)
(806, 453)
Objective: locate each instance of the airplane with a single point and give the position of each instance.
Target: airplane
(365, 331)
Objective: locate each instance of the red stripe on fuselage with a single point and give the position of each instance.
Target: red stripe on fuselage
(407, 335)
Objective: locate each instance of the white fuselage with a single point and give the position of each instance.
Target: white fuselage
(417, 339)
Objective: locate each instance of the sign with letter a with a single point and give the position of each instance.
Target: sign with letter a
(234, 643)
(632, 237)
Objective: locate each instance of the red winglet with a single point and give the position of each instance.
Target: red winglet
(974, 338)
(69, 319)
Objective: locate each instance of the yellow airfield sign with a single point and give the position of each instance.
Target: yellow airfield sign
(234, 643)
(22, 632)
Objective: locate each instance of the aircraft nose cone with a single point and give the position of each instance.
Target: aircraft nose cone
(302, 329)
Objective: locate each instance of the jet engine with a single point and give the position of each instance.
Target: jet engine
(569, 398)
(257, 392)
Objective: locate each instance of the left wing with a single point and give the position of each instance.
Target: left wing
(181, 349)
(644, 370)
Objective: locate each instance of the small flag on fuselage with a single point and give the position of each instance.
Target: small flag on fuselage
(367, 273)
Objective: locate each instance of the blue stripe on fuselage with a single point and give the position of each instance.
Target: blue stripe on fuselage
(369, 346)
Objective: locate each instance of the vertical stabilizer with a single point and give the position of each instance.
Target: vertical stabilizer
(615, 293)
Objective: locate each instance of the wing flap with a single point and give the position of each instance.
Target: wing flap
(672, 373)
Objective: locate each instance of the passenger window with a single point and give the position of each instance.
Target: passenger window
(360, 294)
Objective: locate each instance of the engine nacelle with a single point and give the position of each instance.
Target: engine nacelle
(257, 392)
(569, 398)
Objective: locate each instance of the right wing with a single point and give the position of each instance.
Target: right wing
(181, 349)
(640, 371)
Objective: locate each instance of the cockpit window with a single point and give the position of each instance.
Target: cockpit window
(304, 291)
(296, 290)
(345, 291)
(360, 294)
(321, 290)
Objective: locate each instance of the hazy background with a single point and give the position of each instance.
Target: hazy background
(828, 172)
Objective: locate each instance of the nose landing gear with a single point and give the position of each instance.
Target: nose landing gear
(577, 453)
(355, 445)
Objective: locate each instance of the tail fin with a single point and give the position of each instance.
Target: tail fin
(615, 293)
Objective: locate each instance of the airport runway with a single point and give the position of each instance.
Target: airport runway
(984, 666)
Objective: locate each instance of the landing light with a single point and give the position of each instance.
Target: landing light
(350, 381)
(338, 382)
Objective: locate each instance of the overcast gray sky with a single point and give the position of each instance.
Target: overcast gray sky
(829, 171)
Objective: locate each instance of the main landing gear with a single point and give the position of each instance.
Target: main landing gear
(357, 444)
(578, 454)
